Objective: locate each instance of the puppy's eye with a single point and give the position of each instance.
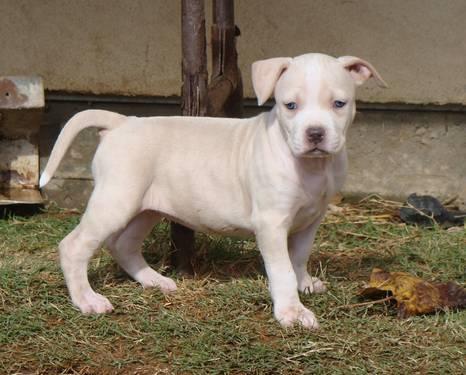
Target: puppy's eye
(339, 104)
(291, 106)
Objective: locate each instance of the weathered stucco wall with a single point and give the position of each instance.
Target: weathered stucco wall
(132, 47)
(396, 153)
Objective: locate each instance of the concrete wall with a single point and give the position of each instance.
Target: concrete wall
(397, 152)
(132, 47)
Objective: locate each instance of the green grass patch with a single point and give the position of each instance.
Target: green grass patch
(221, 321)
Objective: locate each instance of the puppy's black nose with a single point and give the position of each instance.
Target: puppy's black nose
(315, 134)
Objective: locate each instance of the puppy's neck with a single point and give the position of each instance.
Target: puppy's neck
(315, 165)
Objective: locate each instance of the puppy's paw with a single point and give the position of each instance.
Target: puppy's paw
(152, 279)
(167, 285)
(93, 303)
(290, 315)
(308, 285)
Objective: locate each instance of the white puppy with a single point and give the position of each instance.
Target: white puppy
(270, 176)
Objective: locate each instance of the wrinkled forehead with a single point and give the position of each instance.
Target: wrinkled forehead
(313, 73)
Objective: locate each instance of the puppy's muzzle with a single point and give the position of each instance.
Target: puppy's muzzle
(315, 135)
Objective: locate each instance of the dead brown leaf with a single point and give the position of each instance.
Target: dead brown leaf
(413, 295)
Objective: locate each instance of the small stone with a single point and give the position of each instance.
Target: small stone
(434, 135)
(421, 131)
(426, 141)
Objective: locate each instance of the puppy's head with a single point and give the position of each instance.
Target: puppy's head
(315, 98)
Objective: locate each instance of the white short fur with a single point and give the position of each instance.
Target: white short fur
(270, 176)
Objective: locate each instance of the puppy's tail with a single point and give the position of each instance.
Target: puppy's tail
(104, 120)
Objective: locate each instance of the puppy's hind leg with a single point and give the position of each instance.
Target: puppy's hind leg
(126, 249)
(104, 216)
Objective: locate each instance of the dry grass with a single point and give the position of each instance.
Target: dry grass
(221, 321)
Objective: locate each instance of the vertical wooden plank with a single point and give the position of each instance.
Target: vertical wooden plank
(226, 87)
(193, 103)
(194, 66)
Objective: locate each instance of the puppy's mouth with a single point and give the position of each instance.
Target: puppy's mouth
(316, 153)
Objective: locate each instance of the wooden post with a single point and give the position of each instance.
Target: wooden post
(226, 88)
(224, 97)
(194, 66)
(193, 103)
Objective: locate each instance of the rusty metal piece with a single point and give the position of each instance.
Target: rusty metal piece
(18, 92)
(20, 196)
(21, 107)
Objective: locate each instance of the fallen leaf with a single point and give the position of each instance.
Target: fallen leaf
(413, 295)
(336, 199)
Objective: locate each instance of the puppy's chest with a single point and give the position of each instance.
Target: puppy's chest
(308, 213)
(312, 203)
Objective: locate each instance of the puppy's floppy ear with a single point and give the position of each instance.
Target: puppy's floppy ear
(361, 70)
(265, 74)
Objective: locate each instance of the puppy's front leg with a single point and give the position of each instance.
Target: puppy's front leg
(288, 309)
(300, 246)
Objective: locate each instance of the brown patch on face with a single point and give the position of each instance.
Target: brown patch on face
(336, 87)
